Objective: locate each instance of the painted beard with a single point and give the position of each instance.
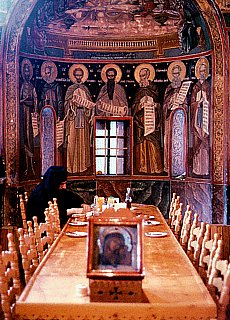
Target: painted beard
(110, 88)
(176, 83)
(202, 77)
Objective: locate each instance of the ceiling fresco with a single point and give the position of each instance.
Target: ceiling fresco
(120, 18)
(54, 24)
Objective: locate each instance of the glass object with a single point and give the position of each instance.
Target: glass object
(115, 248)
(128, 198)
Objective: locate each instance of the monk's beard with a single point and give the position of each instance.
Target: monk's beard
(110, 88)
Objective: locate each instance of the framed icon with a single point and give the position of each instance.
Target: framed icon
(115, 248)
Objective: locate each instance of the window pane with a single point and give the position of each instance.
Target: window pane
(113, 143)
(100, 152)
(120, 128)
(101, 165)
(113, 152)
(120, 165)
(113, 146)
(100, 128)
(101, 143)
(100, 146)
(113, 165)
(120, 144)
(120, 152)
(113, 127)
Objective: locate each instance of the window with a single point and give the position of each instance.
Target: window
(112, 146)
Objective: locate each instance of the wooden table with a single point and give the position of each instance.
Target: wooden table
(172, 287)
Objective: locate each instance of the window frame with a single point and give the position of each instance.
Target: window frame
(128, 119)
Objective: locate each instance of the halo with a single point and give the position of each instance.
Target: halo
(108, 66)
(53, 74)
(144, 66)
(201, 61)
(81, 66)
(24, 62)
(172, 65)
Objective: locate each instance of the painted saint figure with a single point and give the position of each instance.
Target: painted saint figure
(115, 252)
(187, 29)
(111, 100)
(200, 104)
(174, 97)
(51, 92)
(79, 121)
(147, 124)
(28, 106)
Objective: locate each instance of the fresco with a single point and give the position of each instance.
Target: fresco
(198, 197)
(154, 193)
(152, 93)
(158, 27)
(61, 48)
(28, 110)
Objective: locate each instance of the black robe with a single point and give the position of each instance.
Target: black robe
(49, 189)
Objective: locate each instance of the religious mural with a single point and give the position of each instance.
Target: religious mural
(149, 92)
(28, 111)
(81, 59)
(200, 114)
(146, 111)
(143, 24)
(79, 112)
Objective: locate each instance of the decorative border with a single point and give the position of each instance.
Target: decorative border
(14, 30)
(219, 84)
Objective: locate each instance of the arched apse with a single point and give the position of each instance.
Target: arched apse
(11, 43)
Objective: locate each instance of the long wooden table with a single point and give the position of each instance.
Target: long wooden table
(172, 287)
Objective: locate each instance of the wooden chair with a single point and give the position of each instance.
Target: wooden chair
(194, 230)
(10, 285)
(175, 207)
(219, 282)
(224, 232)
(197, 245)
(177, 223)
(221, 267)
(171, 208)
(207, 253)
(22, 203)
(217, 256)
(44, 236)
(224, 301)
(185, 229)
(26, 196)
(58, 226)
(54, 217)
(28, 250)
(176, 217)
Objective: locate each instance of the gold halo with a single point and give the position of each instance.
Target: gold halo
(172, 65)
(24, 62)
(201, 61)
(144, 66)
(53, 74)
(81, 66)
(108, 66)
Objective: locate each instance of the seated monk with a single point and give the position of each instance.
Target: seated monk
(53, 185)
